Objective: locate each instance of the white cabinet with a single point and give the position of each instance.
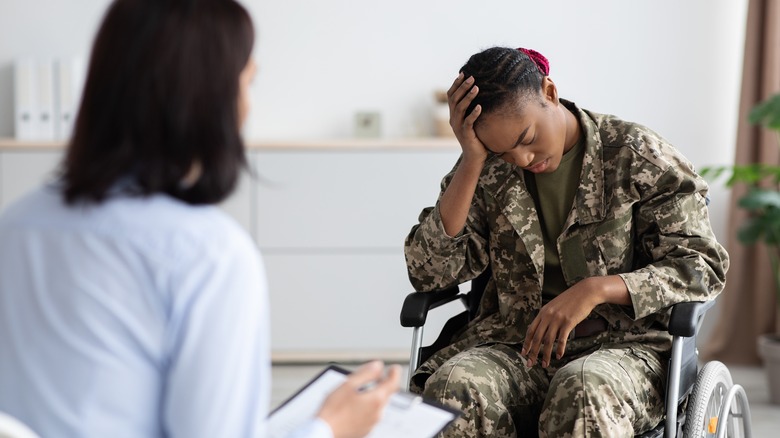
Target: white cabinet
(345, 302)
(331, 226)
(344, 199)
(239, 204)
(22, 171)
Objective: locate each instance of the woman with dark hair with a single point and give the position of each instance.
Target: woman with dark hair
(591, 226)
(129, 304)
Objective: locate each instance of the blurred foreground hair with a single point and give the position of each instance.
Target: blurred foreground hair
(161, 96)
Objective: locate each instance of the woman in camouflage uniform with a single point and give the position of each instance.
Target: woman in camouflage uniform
(592, 227)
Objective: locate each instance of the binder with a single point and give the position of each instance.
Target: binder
(45, 107)
(34, 99)
(69, 80)
(25, 99)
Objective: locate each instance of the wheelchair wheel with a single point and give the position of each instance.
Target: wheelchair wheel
(705, 401)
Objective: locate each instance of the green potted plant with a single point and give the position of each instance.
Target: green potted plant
(762, 202)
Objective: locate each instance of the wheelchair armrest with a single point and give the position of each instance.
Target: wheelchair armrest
(417, 304)
(685, 317)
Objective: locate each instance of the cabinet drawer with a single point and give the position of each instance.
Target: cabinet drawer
(344, 199)
(336, 303)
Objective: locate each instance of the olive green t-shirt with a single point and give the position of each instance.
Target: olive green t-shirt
(553, 194)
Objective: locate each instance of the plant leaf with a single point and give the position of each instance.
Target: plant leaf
(750, 231)
(760, 199)
(767, 113)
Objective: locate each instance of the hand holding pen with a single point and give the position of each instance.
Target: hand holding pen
(355, 407)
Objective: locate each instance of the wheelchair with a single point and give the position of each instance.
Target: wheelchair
(700, 401)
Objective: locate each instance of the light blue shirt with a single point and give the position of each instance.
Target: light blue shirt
(141, 317)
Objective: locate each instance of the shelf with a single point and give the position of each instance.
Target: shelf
(310, 357)
(13, 144)
(368, 144)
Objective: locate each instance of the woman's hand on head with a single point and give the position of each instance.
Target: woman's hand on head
(459, 96)
(351, 410)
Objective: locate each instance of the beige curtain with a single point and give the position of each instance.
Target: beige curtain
(747, 304)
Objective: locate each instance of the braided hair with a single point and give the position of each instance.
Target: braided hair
(503, 74)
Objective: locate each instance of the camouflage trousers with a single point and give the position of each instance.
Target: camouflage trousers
(614, 391)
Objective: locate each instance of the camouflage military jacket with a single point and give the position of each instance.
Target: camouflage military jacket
(639, 212)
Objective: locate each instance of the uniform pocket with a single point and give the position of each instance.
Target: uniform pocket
(648, 377)
(614, 238)
(652, 361)
(574, 262)
(682, 214)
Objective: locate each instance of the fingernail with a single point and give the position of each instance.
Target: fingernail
(524, 351)
(544, 364)
(460, 75)
(473, 89)
(470, 79)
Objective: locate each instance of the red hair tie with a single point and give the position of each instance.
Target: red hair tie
(538, 59)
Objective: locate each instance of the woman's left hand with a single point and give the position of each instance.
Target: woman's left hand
(558, 318)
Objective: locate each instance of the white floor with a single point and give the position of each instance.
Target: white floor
(766, 416)
(287, 379)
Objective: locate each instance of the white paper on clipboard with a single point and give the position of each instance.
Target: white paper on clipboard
(406, 415)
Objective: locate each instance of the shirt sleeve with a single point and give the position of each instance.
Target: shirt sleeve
(217, 379)
(436, 260)
(686, 263)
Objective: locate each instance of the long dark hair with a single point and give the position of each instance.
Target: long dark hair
(502, 74)
(161, 96)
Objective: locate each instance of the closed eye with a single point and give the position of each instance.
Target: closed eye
(516, 146)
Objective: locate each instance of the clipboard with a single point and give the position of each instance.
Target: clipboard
(407, 415)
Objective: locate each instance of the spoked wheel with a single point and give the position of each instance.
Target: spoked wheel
(704, 405)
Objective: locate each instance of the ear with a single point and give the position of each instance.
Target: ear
(549, 90)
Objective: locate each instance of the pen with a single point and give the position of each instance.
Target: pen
(367, 387)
